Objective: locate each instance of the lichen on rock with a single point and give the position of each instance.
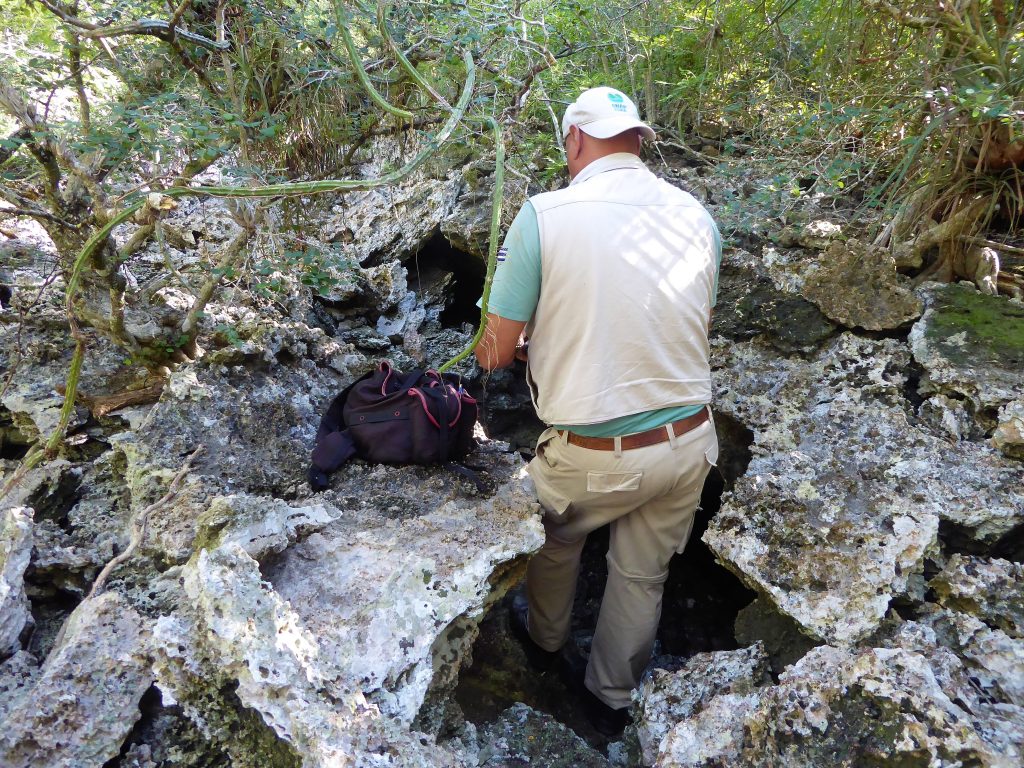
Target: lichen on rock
(857, 285)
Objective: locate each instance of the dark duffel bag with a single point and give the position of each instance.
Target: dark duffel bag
(389, 417)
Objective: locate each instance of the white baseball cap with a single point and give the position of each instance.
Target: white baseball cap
(602, 113)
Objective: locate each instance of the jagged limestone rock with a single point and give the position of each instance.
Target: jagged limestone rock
(946, 415)
(81, 520)
(857, 285)
(1009, 434)
(85, 699)
(816, 235)
(975, 668)
(256, 422)
(751, 303)
(989, 589)
(664, 697)
(334, 619)
(378, 223)
(713, 736)
(838, 707)
(522, 736)
(995, 660)
(17, 677)
(971, 345)
(842, 499)
(15, 553)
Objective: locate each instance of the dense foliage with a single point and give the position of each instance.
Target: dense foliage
(912, 107)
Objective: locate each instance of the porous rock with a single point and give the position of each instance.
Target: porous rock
(17, 676)
(15, 553)
(1009, 433)
(994, 659)
(752, 304)
(857, 285)
(86, 698)
(256, 420)
(989, 589)
(664, 697)
(971, 346)
(376, 223)
(837, 707)
(842, 499)
(522, 736)
(334, 619)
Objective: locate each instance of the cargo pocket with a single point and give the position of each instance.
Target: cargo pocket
(610, 482)
(711, 453)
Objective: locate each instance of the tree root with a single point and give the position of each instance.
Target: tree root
(139, 523)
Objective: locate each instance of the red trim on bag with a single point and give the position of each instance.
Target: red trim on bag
(458, 413)
(416, 393)
(384, 386)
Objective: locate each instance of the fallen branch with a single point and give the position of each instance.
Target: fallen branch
(101, 405)
(140, 521)
(692, 154)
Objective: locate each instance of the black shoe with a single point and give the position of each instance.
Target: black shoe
(605, 720)
(518, 618)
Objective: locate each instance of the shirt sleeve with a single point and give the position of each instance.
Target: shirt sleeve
(718, 262)
(517, 275)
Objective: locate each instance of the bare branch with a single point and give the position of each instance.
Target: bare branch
(162, 30)
(34, 213)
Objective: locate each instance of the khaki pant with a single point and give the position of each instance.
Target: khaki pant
(649, 496)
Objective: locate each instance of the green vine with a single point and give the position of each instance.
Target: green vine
(492, 249)
(286, 189)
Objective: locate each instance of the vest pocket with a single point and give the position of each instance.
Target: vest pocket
(610, 482)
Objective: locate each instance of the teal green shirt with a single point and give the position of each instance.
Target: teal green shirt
(515, 292)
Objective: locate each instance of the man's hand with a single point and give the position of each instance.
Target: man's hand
(499, 345)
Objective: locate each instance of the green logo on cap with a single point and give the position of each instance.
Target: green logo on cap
(615, 97)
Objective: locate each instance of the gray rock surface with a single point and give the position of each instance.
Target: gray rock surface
(844, 708)
(989, 589)
(335, 618)
(816, 235)
(1009, 433)
(522, 736)
(752, 304)
(666, 697)
(15, 552)
(842, 499)
(85, 700)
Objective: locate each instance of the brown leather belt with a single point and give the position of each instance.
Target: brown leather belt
(639, 439)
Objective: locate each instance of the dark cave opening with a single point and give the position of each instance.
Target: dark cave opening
(50, 608)
(437, 261)
(55, 501)
(14, 444)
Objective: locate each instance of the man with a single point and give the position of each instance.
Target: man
(613, 280)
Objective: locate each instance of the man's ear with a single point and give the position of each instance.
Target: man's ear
(576, 133)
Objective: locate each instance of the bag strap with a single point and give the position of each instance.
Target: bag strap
(463, 471)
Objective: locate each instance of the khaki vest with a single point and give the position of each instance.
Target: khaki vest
(628, 266)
